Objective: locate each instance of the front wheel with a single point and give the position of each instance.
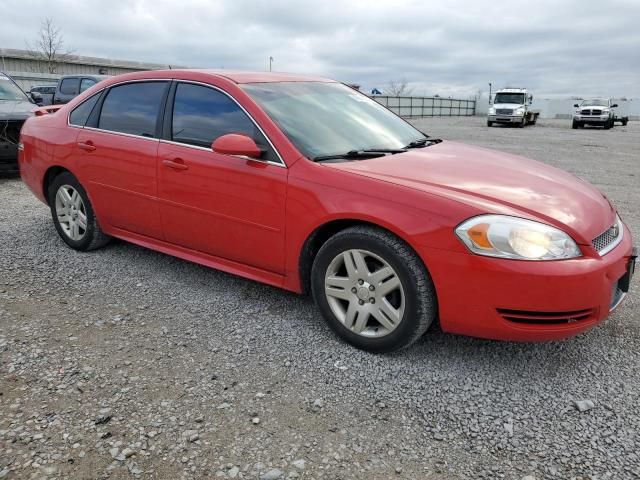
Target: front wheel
(489, 123)
(73, 214)
(372, 289)
(574, 124)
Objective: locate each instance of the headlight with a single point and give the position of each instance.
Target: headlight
(492, 111)
(519, 111)
(516, 238)
(605, 112)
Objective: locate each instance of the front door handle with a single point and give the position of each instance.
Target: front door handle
(176, 164)
(88, 146)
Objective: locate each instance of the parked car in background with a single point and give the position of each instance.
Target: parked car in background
(70, 86)
(46, 93)
(306, 184)
(15, 107)
(512, 106)
(596, 111)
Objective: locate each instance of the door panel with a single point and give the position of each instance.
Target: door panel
(222, 205)
(121, 172)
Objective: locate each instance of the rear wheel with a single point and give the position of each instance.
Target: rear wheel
(372, 289)
(624, 122)
(73, 214)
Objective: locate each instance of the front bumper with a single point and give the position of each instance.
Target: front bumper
(505, 118)
(526, 301)
(591, 119)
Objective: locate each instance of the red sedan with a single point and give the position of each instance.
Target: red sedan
(305, 184)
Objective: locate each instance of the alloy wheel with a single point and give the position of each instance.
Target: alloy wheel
(364, 293)
(71, 212)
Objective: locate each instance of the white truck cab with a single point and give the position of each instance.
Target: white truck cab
(512, 106)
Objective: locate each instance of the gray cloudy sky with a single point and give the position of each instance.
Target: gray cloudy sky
(561, 47)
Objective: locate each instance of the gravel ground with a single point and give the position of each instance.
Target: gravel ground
(127, 363)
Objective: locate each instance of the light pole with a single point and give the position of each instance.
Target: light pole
(489, 93)
(270, 61)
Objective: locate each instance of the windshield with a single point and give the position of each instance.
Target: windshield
(597, 102)
(330, 118)
(509, 98)
(9, 90)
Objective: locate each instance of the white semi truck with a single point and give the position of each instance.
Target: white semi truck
(512, 106)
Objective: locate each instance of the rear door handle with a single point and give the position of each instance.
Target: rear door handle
(88, 146)
(176, 164)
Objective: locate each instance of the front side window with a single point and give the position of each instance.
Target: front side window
(69, 86)
(81, 113)
(327, 118)
(202, 114)
(86, 83)
(133, 108)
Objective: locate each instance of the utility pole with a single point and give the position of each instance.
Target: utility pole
(489, 93)
(270, 62)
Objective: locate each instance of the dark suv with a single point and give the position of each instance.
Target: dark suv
(71, 86)
(15, 108)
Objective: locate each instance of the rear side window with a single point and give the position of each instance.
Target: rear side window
(86, 83)
(133, 108)
(201, 114)
(81, 113)
(69, 86)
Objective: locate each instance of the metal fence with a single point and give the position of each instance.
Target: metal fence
(412, 107)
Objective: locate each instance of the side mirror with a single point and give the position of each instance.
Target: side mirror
(530, 98)
(576, 105)
(36, 97)
(614, 105)
(236, 144)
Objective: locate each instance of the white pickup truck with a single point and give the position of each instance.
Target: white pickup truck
(596, 111)
(512, 106)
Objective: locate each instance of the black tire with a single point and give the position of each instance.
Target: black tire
(420, 304)
(607, 125)
(489, 123)
(574, 124)
(624, 122)
(522, 123)
(93, 236)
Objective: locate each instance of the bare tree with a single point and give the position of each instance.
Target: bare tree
(398, 88)
(49, 50)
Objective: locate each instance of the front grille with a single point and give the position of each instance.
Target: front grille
(504, 111)
(607, 239)
(10, 131)
(586, 111)
(596, 112)
(546, 318)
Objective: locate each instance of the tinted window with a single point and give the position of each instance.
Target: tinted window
(81, 113)
(201, 114)
(86, 83)
(69, 86)
(132, 108)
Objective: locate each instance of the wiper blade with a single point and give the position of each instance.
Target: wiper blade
(423, 142)
(369, 153)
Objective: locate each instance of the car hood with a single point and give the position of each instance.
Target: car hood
(15, 109)
(495, 182)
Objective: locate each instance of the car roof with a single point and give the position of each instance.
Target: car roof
(236, 76)
(87, 75)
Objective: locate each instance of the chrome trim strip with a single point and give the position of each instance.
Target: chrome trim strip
(195, 147)
(153, 139)
(617, 241)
